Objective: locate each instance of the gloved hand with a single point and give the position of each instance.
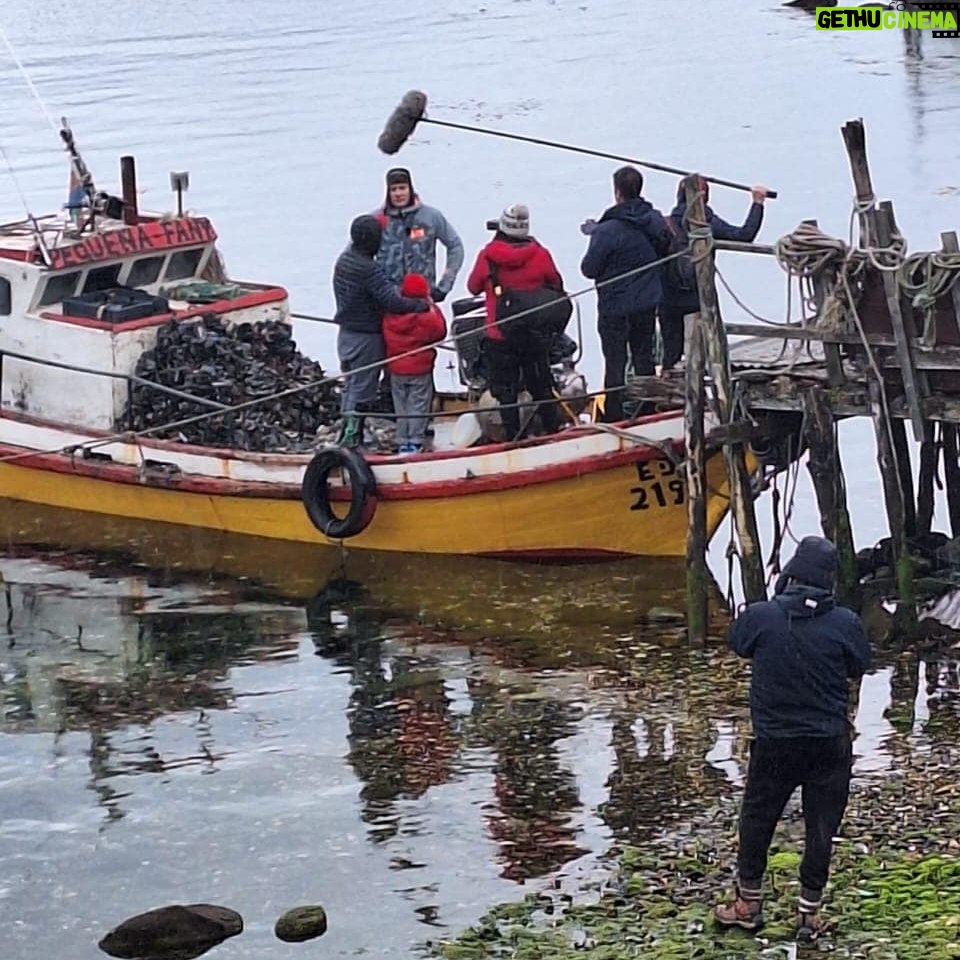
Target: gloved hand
(437, 295)
(587, 227)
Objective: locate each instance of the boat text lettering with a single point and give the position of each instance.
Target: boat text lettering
(142, 238)
(655, 489)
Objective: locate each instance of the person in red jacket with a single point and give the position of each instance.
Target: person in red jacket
(411, 377)
(518, 351)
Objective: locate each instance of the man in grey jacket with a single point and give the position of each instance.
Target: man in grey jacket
(363, 294)
(411, 232)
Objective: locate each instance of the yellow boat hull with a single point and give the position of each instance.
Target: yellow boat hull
(629, 509)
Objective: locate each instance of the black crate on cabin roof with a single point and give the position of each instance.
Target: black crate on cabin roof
(116, 305)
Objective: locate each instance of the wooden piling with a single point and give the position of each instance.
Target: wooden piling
(948, 431)
(929, 457)
(901, 452)
(893, 501)
(718, 364)
(875, 231)
(826, 472)
(951, 474)
(694, 403)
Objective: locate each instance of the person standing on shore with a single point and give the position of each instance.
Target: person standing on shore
(804, 649)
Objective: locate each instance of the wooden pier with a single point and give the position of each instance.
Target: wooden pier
(879, 337)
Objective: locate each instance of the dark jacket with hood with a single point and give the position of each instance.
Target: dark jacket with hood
(520, 264)
(804, 649)
(361, 289)
(688, 299)
(627, 236)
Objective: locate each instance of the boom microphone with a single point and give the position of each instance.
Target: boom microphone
(403, 121)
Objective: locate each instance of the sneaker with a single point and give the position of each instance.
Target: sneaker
(405, 449)
(746, 914)
(810, 927)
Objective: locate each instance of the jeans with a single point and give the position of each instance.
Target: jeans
(820, 766)
(359, 350)
(615, 335)
(412, 397)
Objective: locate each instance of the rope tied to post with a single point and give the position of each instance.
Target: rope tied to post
(925, 277)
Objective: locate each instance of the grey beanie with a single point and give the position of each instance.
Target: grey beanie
(515, 220)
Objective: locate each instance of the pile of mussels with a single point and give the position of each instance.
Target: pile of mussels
(230, 366)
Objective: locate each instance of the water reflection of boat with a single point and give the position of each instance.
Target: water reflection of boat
(488, 597)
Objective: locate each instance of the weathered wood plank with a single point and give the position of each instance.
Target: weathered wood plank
(893, 498)
(717, 359)
(826, 472)
(694, 405)
(951, 474)
(914, 388)
(929, 456)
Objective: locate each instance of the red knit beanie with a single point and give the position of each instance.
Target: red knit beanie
(415, 285)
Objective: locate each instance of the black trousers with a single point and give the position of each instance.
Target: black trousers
(616, 334)
(820, 766)
(521, 359)
(671, 332)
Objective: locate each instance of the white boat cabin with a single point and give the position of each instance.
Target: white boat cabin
(95, 299)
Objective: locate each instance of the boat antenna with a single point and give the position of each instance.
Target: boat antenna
(31, 219)
(80, 178)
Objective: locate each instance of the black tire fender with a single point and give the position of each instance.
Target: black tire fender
(315, 492)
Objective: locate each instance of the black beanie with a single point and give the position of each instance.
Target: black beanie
(399, 175)
(365, 233)
(814, 563)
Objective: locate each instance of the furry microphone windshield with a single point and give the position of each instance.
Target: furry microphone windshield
(403, 121)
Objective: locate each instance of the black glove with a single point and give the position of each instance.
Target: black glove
(437, 295)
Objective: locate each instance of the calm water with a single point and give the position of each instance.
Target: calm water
(399, 743)
(404, 757)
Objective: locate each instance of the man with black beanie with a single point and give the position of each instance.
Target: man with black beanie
(363, 294)
(804, 650)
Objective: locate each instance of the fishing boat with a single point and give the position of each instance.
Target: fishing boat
(84, 294)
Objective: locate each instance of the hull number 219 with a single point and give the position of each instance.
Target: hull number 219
(659, 486)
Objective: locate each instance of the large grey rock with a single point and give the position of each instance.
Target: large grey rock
(301, 923)
(172, 933)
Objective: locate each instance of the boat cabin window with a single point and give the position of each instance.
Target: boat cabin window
(183, 264)
(102, 278)
(6, 297)
(60, 285)
(144, 271)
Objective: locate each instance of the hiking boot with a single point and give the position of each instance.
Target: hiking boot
(743, 912)
(810, 926)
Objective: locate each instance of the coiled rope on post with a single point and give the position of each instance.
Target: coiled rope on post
(926, 277)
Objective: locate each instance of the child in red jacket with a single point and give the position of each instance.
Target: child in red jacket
(411, 377)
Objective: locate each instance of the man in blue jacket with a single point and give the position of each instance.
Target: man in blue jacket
(680, 295)
(363, 294)
(804, 650)
(630, 234)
